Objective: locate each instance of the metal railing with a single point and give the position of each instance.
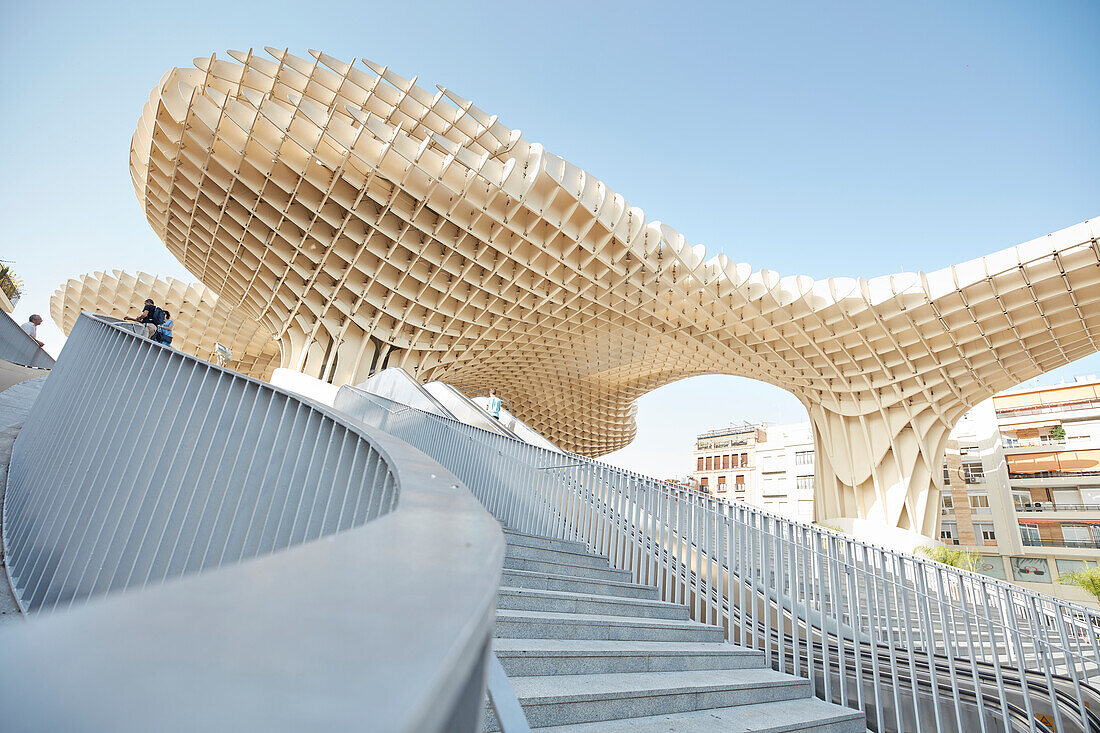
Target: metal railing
(1050, 542)
(917, 645)
(1050, 474)
(1011, 412)
(1048, 506)
(19, 348)
(324, 575)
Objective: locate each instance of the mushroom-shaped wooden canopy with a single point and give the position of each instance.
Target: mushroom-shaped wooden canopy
(367, 221)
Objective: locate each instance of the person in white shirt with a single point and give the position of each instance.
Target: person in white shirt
(31, 327)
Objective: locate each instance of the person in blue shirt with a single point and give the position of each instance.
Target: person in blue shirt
(164, 330)
(494, 403)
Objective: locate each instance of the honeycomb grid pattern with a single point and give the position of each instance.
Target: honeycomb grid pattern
(368, 222)
(200, 320)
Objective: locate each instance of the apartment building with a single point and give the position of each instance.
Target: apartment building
(1021, 485)
(768, 466)
(724, 460)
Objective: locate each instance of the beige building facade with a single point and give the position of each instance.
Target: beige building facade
(1022, 485)
(768, 466)
(365, 221)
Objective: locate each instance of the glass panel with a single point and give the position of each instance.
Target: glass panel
(993, 566)
(1066, 497)
(1030, 569)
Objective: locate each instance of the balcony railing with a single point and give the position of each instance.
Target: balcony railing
(1083, 544)
(1053, 407)
(336, 579)
(1047, 506)
(1050, 474)
(917, 645)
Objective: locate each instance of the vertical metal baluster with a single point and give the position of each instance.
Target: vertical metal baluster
(874, 630)
(855, 618)
(824, 604)
(948, 635)
(1044, 654)
(806, 572)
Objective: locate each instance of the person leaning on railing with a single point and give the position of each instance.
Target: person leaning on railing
(150, 316)
(164, 330)
(31, 327)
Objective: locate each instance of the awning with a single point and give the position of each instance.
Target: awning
(1070, 460)
(1025, 425)
(1060, 521)
(1049, 396)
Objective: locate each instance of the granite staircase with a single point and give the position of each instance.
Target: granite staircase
(585, 649)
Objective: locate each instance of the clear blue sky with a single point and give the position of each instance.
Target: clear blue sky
(815, 138)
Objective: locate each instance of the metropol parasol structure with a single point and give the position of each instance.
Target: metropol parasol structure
(363, 222)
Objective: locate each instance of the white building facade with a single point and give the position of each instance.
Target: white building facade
(769, 466)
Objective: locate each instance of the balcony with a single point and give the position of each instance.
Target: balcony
(1080, 544)
(1012, 446)
(1047, 506)
(1051, 474)
(1054, 407)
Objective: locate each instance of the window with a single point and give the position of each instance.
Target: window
(803, 457)
(726, 461)
(703, 481)
(949, 533)
(722, 483)
(699, 467)
(979, 502)
(739, 482)
(772, 486)
(1065, 497)
(1076, 535)
(1090, 496)
(947, 502)
(1029, 533)
(973, 473)
(1021, 499)
(946, 474)
(804, 483)
(744, 460)
(710, 463)
(985, 533)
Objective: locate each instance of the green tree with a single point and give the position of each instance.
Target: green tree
(1087, 579)
(961, 559)
(1057, 433)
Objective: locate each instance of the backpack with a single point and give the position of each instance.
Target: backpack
(158, 316)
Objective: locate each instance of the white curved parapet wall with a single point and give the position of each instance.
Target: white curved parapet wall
(368, 222)
(277, 558)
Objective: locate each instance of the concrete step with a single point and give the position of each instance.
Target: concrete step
(543, 566)
(562, 557)
(584, 698)
(547, 543)
(546, 625)
(784, 716)
(534, 657)
(553, 581)
(529, 599)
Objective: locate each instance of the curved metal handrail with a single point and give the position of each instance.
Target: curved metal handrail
(782, 574)
(379, 615)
